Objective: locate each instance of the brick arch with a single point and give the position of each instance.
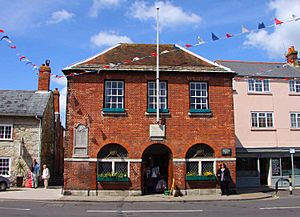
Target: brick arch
(200, 150)
(112, 150)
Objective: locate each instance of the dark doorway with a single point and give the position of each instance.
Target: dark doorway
(264, 164)
(156, 167)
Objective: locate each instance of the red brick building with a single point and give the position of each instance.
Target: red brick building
(111, 125)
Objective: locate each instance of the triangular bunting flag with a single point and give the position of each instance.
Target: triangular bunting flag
(244, 29)
(214, 37)
(295, 18)
(13, 46)
(228, 35)
(3, 37)
(278, 22)
(261, 25)
(164, 52)
(154, 54)
(188, 45)
(22, 57)
(135, 59)
(1, 30)
(200, 40)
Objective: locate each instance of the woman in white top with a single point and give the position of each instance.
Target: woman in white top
(46, 175)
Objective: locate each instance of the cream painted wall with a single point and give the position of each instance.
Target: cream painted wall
(279, 101)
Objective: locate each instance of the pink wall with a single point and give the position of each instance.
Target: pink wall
(280, 101)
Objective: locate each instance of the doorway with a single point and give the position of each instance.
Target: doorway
(264, 165)
(157, 167)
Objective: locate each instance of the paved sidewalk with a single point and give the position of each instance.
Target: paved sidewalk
(54, 194)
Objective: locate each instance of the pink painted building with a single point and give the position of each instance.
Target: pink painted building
(267, 120)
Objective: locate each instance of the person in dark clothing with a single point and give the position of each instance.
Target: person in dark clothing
(223, 176)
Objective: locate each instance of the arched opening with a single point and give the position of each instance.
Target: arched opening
(157, 169)
(200, 160)
(112, 160)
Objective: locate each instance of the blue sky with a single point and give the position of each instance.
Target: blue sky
(71, 30)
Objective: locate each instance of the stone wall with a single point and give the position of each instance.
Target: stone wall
(26, 128)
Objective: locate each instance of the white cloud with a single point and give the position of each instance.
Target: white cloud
(59, 16)
(170, 15)
(99, 4)
(108, 39)
(276, 43)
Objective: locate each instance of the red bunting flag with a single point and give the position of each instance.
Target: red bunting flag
(278, 22)
(127, 61)
(106, 67)
(228, 35)
(22, 57)
(188, 45)
(13, 46)
(1, 30)
(154, 54)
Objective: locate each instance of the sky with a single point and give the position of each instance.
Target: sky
(69, 31)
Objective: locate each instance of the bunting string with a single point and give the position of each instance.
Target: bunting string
(200, 41)
(21, 57)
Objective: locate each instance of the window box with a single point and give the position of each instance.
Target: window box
(112, 179)
(200, 178)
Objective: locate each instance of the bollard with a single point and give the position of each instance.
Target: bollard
(291, 185)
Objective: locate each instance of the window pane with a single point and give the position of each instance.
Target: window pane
(113, 90)
(192, 167)
(207, 166)
(297, 165)
(121, 167)
(266, 85)
(251, 85)
(152, 94)
(286, 165)
(254, 119)
(4, 166)
(246, 167)
(258, 86)
(293, 120)
(104, 167)
(269, 119)
(1, 132)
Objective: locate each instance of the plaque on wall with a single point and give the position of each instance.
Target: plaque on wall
(226, 151)
(275, 167)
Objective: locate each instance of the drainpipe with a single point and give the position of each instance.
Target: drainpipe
(39, 145)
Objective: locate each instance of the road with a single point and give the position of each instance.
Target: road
(283, 206)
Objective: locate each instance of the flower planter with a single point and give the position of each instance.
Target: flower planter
(112, 179)
(200, 178)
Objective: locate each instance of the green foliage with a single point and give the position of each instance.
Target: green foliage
(20, 167)
(112, 175)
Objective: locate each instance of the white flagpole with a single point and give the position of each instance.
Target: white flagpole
(157, 66)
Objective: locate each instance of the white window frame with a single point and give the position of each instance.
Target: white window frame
(77, 146)
(11, 131)
(163, 94)
(296, 121)
(262, 115)
(259, 86)
(198, 97)
(109, 96)
(294, 86)
(200, 160)
(113, 162)
(9, 166)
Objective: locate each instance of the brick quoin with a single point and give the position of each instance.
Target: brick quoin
(85, 103)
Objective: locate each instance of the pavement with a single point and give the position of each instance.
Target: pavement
(55, 194)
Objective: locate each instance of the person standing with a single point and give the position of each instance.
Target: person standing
(46, 176)
(35, 172)
(223, 176)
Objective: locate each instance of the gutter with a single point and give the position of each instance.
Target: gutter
(40, 140)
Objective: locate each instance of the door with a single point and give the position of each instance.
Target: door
(264, 165)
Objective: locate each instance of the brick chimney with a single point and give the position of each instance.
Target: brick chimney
(292, 56)
(56, 100)
(44, 77)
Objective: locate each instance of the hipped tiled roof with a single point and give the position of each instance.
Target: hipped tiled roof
(23, 103)
(175, 58)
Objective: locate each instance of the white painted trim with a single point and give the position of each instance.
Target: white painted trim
(84, 159)
(204, 59)
(138, 160)
(11, 132)
(203, 159)
(90, 58)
